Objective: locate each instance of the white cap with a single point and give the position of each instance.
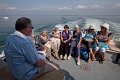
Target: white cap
(76, 26)
(56, 27)
(92, 26)
(106, 25)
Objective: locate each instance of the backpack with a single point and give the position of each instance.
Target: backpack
(84, 53)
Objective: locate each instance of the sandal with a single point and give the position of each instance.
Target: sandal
(88, 60)
(101, 62)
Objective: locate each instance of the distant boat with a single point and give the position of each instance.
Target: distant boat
(5, 17)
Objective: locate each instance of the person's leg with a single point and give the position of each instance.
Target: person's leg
(52, 43)
(95, 48)
(102, 53)
(55, 48)
(102, 58)
(48, 54)
(62, 47)
(48, 51)
(71, 48)
(78, 58)
(66, 50)
(55, 45)
(49, 71)
(95, 51)
(92, 55)
(58, 44)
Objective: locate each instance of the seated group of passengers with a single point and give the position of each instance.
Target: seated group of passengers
(65, 41)
(95, 42)
(78, 39)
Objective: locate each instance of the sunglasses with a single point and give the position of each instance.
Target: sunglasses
(67, 27)
(92, 29)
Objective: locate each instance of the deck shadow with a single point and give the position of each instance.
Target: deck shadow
(113, 57)
(67, 76)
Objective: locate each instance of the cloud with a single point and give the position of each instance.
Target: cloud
(80, 7)
(35, 9)
(96, 7)
(116, 6)
(30, 9)
(65, 8)
(7, 7)
(77, 7)
(25, 9)
(10, 8)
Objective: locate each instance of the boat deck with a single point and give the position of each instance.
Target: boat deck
(93, 70)
(86, 71)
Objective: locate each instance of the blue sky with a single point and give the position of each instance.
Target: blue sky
(60, 7)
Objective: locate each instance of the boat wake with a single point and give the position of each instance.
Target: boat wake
(86, 22)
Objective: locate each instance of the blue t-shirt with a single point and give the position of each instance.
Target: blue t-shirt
(88, 36)
(77, 36)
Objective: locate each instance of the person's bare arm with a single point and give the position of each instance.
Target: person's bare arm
(80, 40)
(61, 37)
(96, 39)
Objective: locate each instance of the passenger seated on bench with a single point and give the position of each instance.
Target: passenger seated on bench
(75, 38)
(83, 31)
(65, 40)
(88, 41)
(55, 39)
(22, 56)
(103, 37)
(44, 41)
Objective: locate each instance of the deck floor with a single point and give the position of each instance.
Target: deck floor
(93, 70)
(89, 71)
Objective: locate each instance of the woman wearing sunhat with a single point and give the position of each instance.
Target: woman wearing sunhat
(103, 37)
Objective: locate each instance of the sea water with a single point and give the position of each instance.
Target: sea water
(48, 22)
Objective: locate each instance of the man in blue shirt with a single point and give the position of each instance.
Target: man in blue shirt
(22, 56)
